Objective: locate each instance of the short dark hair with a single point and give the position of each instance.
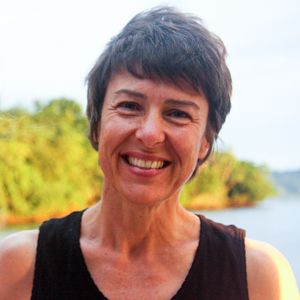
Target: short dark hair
(165, 43)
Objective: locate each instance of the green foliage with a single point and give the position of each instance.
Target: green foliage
(249, 182)
(225, 181)
(48, 167)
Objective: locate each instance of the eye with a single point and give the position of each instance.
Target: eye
(128, 106)
(180, 114)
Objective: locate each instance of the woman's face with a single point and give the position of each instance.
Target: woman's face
(150, 137)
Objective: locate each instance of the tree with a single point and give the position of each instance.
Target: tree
(224, 181)
(48, 167)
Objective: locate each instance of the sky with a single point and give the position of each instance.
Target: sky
(48, 47)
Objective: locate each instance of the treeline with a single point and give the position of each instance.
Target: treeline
(48, 168)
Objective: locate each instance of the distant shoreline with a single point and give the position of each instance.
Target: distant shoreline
(12, 220)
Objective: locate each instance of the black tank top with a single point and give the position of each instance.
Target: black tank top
(217, 273)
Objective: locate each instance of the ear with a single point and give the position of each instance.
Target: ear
(96, 133)
(204, 147)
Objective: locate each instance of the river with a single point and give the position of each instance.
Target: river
(275, 221)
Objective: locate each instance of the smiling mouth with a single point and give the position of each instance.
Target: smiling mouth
(146, 164)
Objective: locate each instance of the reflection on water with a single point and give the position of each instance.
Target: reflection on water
(275, 221)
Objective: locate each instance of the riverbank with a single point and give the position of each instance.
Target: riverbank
(209, 202)
(200, 203)
(10, 219)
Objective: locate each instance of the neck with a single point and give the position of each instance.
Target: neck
(130, 228)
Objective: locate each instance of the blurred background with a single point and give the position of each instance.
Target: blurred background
(48, 47)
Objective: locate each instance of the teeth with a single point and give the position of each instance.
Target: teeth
(154, 165)
(145, 164)
(160, 164)
(141, 163)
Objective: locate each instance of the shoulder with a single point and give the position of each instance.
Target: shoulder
(269, 275)
(17, 262)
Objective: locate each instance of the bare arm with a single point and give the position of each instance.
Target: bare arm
(269, 274)
(17, 261)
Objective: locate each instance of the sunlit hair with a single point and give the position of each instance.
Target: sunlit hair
(164, 43)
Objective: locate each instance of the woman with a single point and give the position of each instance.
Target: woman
(158, 96)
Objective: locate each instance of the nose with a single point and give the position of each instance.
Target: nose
(151, 130)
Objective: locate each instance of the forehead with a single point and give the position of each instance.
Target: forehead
(155, 84)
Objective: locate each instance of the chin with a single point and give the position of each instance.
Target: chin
(148, 198)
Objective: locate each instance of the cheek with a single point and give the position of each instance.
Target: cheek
(107, 142)
(109, 131)
(187, 147)
(111, 137)
(190, 140)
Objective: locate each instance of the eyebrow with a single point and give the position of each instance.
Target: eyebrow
(131, 93)
(168, 101)
(182, 102)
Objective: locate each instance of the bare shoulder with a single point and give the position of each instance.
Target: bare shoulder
(269, 274)
(17, 262)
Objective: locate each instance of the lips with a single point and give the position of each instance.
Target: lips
(145, 164)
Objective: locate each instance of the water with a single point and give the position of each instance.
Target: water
(275, 221)
(9, 229)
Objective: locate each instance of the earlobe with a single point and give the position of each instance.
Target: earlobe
(96, 136)
(96, 133)
(204, 148)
